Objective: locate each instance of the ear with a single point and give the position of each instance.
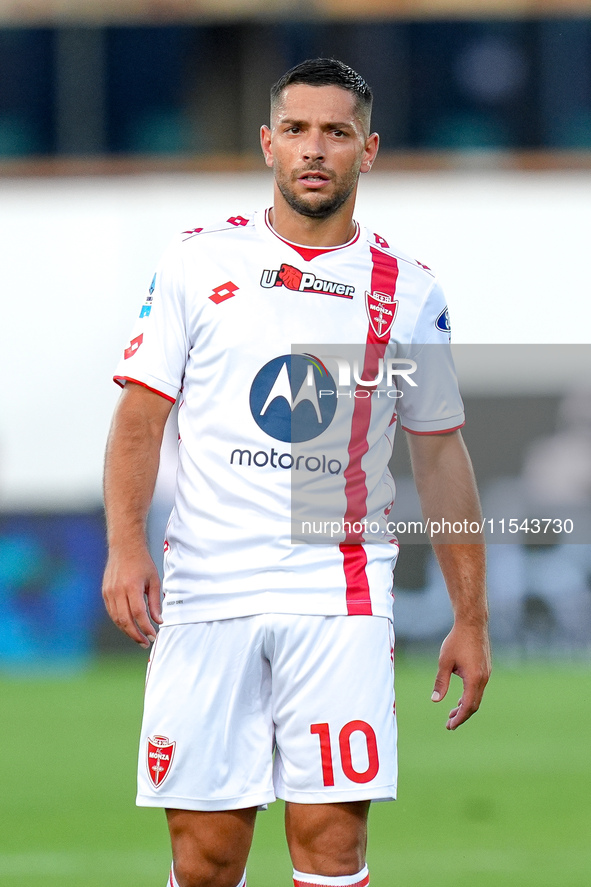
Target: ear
(372, 144)
(266, 145)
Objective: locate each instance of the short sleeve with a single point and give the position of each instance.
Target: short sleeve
(157, 351)
(431, 401)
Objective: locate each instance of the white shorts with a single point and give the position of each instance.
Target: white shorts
(221, 697)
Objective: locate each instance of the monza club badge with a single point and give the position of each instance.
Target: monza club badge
(160, 755)
(381, 310)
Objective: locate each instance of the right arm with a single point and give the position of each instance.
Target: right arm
(131, 586)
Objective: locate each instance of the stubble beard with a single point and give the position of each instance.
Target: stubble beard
(317, 208)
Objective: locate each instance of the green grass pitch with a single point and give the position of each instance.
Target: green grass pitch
(504, 800)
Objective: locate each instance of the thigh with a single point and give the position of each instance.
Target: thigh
(210, 847)
(333, 707)
(327, 839)
(207, 732)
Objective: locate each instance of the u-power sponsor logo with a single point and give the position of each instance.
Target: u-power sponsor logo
(304, 282)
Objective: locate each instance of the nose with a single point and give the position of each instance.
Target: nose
(313, 148)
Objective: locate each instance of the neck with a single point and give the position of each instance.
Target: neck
(335, 230)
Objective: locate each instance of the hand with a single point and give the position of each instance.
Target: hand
(465, 652)
(131, 591)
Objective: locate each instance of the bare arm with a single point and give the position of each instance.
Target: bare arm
(447, 490)
(131, 586)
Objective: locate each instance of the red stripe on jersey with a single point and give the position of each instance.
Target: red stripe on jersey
(121, 380)
(362, 883)
(354, 564)
(384, 277)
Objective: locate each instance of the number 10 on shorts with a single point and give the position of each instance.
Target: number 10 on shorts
(326, 753)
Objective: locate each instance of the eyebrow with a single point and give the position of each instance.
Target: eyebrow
(292, 121)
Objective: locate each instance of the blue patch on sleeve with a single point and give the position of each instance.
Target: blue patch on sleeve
(442, 323)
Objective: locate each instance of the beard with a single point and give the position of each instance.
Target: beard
(313, 205)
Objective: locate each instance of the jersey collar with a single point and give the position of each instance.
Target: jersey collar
(309, 252)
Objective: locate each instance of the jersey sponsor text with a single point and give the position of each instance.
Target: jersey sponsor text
(304, 282)
(274, 459)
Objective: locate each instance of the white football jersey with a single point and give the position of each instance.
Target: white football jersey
(294, 365)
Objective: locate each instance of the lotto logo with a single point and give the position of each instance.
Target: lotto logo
(224, 291)
(381, 242)
(238, 220)
(133, 346)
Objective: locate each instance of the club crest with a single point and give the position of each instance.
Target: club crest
(159, 759)
(381, 310)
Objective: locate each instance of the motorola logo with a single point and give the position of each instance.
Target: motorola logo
(285, 399)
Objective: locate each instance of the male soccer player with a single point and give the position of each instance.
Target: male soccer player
(272, 674)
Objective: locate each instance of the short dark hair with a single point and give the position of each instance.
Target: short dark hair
(327, 72)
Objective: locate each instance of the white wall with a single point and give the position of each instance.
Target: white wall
(511, 250)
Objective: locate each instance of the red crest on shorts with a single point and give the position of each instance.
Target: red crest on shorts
(381, 310)
(160, 755)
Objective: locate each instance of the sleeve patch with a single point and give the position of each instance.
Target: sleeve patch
(442, 323)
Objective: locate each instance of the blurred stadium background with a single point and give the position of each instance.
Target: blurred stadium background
(124, 122)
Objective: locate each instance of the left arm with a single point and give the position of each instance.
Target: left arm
(447, 490)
